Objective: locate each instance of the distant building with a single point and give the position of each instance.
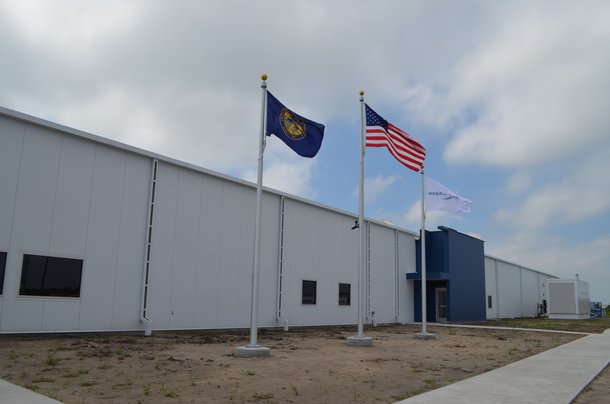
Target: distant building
(569, 299)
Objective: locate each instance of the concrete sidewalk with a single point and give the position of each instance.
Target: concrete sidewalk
(12, 394)
(554, 376)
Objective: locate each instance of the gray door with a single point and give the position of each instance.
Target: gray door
(441, 304)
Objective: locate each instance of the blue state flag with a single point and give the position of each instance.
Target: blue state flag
(300, 134)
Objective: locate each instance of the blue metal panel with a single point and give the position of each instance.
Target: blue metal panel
(467, 284)
(455, 261)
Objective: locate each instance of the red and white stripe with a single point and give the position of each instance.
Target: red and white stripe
(399, 143)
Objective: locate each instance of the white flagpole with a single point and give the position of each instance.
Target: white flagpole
(360, 339)
(253, 349)
(424, 334)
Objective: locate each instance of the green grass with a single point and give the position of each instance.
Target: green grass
(52, 360)
(168, 392)
(593, 325)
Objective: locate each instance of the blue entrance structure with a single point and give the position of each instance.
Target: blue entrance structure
(455, 268)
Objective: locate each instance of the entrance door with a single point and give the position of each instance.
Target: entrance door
(441, 304)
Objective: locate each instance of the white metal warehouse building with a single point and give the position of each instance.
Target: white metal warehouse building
(99, 236)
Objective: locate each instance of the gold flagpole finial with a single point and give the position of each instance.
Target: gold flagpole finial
(362, 93)
(264, 77)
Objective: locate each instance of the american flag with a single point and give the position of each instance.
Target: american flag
(381, 133)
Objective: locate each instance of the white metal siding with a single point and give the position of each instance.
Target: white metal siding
(516, 291)
(406, 264)
(70, 195)
(491, 288)
(529, 287)
(319, 246)
(382, 273)
(11, 141)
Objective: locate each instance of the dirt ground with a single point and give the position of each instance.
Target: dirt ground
(307, 365)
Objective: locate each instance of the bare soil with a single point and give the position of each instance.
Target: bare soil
(311, 365)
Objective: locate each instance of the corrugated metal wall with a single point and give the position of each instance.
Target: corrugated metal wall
(515, 291)
(69, 197)
(72, 195)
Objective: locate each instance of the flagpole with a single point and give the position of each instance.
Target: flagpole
(424, 334)
(253, 349)
(360, 339)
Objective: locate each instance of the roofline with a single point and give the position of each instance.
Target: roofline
(520, 266)
(32, 120)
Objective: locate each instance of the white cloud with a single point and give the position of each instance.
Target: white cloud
(582, 194)
(534, 91)
(285, 171)
(411, 218)
(376, 186)
(518, 183)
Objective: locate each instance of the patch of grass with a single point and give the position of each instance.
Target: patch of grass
(295, 391)
(51, 360)
(407, 394)
(56, 397)
(250, 373)
(12, 355)
(43, 379)
(104, 366)
(147, 389)
(592, 325)
(125, 384)
(168, 392)
(262, 396)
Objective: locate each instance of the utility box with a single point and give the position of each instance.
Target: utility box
(568, 299)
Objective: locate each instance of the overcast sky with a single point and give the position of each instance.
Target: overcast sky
(511, 99)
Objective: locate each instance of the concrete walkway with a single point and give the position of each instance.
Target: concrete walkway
(12, 394)
(554, 376)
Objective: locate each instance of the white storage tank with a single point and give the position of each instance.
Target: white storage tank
(568, 299)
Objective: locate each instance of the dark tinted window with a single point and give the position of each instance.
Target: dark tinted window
(50, 276)
(345, 294)
(2, 268)
(489, 305)
(309, 292)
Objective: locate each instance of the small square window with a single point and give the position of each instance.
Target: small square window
(50, 276)
(345, 294)
(2, 268)
(308, 295)
(489, 305)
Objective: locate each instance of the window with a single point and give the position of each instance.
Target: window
(489, 305)
(50, 276)
(2, 267)
(308, 295)
(344, 294)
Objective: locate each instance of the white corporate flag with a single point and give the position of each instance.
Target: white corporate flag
(439, 197)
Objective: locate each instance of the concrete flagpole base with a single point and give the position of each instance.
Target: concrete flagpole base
(425, 335)
(252, 351)
(359, 340)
